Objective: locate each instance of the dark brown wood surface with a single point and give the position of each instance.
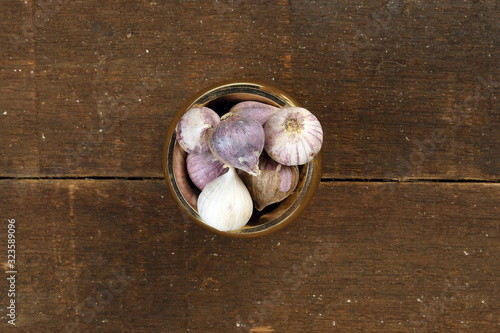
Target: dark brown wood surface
(401, 236)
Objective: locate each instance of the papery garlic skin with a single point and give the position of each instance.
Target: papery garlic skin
(255, 110)
(294, 136)
(238, 141)
(193, 129)
(289, 175)
(274, 183)
(225, 203)
(203, 168)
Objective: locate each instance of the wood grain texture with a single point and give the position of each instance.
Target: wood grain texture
(116, 256)
(404, 239)
(404, 89)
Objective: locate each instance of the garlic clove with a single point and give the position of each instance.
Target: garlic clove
(274, 183)
(289, 175)
(225, 203)
(238, 141)
(203, 168)
(293, 136)
(255, 110)
(181, 176)
(194, 127)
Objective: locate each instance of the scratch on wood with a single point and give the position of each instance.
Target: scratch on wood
(207, 281)
(287, 61)
(261, 329)
(71, 189)
(287, 64)
(6, 266)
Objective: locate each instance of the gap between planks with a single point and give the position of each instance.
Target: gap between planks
(323, 180)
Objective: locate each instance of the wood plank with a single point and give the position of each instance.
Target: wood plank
(405, 90)
(113, 255)
(408, 89)
(18, 119)
(120, 72)
(84, 250)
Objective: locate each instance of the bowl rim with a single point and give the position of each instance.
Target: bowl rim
(210, 93)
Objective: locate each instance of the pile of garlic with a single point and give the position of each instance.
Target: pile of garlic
(247, 157)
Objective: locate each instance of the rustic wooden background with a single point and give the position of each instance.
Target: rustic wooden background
(402, 236)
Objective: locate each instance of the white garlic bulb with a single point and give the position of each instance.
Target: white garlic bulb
(194, 127)
(225, 203)
(293, 136)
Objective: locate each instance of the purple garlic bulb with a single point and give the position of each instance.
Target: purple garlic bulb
(256, 110)
(238, 142)
(194, 129)
(203, 168)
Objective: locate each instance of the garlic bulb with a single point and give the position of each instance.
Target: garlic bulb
(274, 183)
(194, 127)
(225, 203)
(238, 141)
(256, 110)
(293, 136)
(203, 168)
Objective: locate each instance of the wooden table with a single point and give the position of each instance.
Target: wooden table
(402, 235)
